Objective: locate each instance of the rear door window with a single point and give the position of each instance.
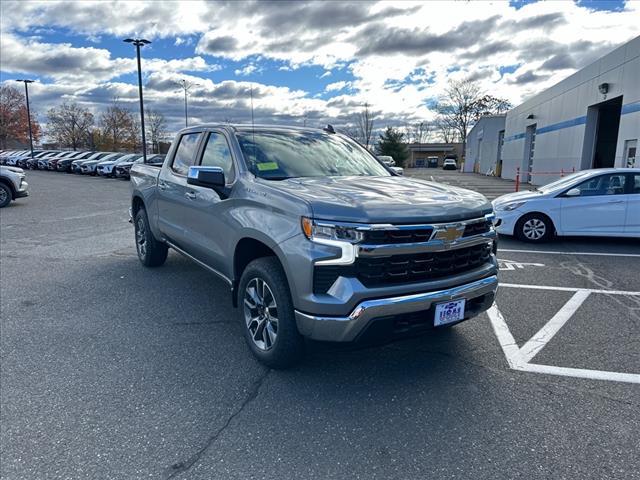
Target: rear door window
(185, 153)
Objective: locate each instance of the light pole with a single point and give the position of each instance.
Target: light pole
(186, 86)
(140, 42)
(26, 93)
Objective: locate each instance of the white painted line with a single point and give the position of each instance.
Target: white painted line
(583, 373)
(505, 264)
(516, 361)
(506, 340)
(568, 289)
(546, 333)
(596, 254)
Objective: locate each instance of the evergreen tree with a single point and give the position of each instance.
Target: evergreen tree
(392, 143)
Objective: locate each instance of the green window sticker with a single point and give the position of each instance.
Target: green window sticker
(267, 166)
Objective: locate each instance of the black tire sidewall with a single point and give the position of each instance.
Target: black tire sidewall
(156, 252)
(9, 195)
(549, 229)
(289, 345)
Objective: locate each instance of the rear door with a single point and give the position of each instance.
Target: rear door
(633, 204)
(601, 207)
(173, 202)
(208, 224)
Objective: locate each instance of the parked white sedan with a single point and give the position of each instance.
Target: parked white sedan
(601, 202)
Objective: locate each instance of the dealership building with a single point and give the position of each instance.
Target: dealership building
(484, 146)
(588, 120)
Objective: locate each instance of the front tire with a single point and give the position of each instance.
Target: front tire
(5, 195)
(267, 316)
(151, 252)
(534, 228)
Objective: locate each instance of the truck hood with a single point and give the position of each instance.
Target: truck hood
(399, 200)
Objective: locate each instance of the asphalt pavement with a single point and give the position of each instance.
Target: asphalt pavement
(112, 370)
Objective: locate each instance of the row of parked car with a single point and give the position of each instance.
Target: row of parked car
(107, 164)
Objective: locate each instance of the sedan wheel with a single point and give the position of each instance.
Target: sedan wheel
(534, 228)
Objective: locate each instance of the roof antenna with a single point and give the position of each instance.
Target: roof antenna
(253, 127)
(329, 129)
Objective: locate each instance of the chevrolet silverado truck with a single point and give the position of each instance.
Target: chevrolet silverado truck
(314, 236)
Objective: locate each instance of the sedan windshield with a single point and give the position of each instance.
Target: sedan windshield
(276, 155)
(564, 182)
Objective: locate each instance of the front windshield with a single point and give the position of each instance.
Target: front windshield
(275, 155)
(563, 182)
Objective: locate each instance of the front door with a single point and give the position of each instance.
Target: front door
(601, 207)
(209, 225)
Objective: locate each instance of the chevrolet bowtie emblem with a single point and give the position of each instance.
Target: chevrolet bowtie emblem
(450, 233)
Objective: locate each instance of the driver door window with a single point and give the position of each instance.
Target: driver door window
(217, 154)
(612, 184)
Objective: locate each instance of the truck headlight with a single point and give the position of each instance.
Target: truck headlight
(318, 230)
(333, 235)
(507, 207)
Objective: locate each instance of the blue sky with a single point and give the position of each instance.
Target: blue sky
(318, 62)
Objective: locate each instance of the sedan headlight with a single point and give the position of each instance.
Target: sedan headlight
(318, 230)
(507, 207)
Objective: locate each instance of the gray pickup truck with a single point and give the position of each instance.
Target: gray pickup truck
(314, 236)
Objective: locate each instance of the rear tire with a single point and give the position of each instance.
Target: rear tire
(267, 316)
(534, 228)
(151, 252)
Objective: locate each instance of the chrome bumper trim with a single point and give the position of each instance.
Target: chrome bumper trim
(345, 329)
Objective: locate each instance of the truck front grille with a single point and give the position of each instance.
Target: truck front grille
(404, 269)
(385, 237)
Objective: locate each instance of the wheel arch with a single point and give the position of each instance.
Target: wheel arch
(250, 248)
(542, 214)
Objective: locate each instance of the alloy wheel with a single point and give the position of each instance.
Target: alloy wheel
(534, 229)
(141, 238)
(3, 195)
(261, 313)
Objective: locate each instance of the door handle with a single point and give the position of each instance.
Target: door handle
(162, 185)
(616, 201)
(190, 195)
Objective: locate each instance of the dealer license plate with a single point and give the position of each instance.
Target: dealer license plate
(449, 312)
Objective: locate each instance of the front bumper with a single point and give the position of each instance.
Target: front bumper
(479, 295)
(506, 221)
(23, 191)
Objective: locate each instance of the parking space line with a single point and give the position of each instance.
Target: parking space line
(583, 373)
(568, 289)
(546, 333)
(550, 252)
(519, 358)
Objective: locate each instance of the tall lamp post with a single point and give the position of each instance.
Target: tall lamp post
(186, 86)
(26, 93)
(140, 42)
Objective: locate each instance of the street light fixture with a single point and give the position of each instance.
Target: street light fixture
(140, 42)
(26, 93)
(186, 86)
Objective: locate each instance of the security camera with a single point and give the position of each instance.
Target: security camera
(603, 88)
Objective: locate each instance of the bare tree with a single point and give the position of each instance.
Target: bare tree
(120, 129)
(70, 125)
(446, 131)
(419, 132)
(364, 125)
(463, 104)
(156, 128)
(458, 107)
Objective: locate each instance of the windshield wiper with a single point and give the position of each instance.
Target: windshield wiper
(281, 177)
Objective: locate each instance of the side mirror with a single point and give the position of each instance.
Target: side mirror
(574, 192)
(211, 177)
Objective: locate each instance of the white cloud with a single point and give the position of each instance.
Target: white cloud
(400, 54)
(337, 86)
